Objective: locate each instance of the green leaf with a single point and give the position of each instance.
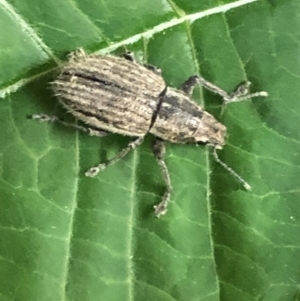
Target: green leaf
(67, 237)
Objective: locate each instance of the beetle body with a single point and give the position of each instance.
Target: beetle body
(112, 94)
(120, 96)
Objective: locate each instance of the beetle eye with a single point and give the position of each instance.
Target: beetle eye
(215, 129)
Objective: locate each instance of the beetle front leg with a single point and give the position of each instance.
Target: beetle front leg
(92, 172)
(159, 151)
(241, 93)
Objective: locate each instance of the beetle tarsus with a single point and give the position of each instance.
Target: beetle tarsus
(44, 117)
(161, 208)
(93, 172)
(243, 93)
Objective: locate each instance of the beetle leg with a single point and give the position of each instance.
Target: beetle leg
(188, 86)
(192, 81)
(129, 55)
(90, 131)
(93, 171)
(241, 93)
(152, 68)
(159, 151)
(76, 55)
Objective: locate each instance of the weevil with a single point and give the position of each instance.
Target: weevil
(113, 94)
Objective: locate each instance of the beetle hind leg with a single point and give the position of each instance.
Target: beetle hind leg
(159, 151)
(55, 119)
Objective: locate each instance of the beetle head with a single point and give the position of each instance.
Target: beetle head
(211, 131)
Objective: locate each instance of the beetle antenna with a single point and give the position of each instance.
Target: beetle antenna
(231, 171)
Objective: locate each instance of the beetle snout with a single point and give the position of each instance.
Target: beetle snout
(218, 134)
(210, 131)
